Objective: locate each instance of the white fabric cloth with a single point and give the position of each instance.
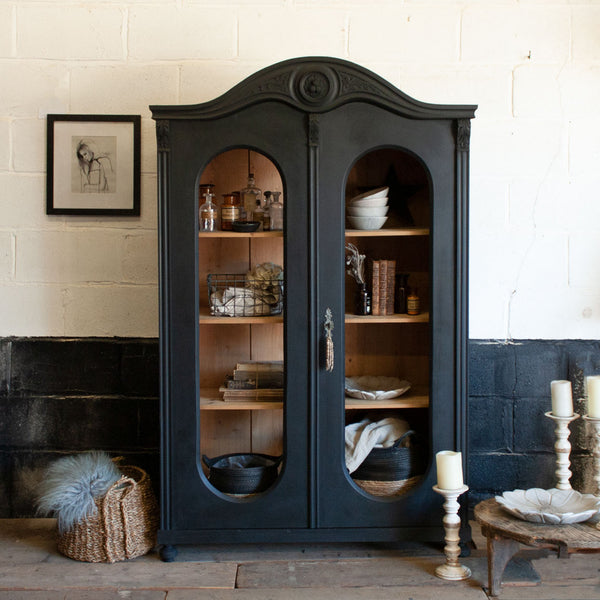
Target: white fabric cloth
(365, 435)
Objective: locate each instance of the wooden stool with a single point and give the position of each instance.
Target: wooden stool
(504, 533)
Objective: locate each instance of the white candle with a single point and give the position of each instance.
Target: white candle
(562, 400)
(449, 470)
(593, 389)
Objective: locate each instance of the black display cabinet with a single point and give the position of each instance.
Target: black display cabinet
(321, 131)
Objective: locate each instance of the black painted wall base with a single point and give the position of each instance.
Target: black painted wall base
(62, 396)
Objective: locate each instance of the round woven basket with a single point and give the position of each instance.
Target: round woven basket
(242, 474)
(388, 488)
(122, 527)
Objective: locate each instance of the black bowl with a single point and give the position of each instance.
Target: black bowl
(245, 226)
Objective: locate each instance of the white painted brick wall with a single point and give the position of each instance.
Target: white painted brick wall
(533, 67)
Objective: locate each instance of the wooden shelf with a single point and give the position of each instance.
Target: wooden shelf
(407, 401)
(236, 234)
(396, 318)
(212, 401)
(208, 319)
(206, 404)
(397, 232)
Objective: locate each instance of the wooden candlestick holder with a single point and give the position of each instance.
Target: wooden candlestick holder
(562, 447)
(452, 569)
(595, 421)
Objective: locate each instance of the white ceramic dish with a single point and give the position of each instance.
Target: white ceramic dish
(367, 222)
(367, 211)
(556, 507)
(373, 387)
(370, 202)
(374, 193)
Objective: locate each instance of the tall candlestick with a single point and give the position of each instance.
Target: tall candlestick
(562, 447)
(562, 398)
(452, 569)
(449, 470)
(593, 389)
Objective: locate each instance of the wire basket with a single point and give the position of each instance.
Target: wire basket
(238, 295)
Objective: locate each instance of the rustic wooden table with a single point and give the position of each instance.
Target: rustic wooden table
(504, 533)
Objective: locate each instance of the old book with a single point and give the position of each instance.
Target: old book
(391, 284)
(374, 287)
(383, 287)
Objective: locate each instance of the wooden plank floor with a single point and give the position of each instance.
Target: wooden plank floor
(32, 569)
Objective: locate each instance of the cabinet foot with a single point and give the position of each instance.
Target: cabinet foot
(167, 553)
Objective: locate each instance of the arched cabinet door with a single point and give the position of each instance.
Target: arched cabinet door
(415, 160)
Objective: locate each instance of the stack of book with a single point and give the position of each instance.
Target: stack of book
(383, 280)
(254, 380)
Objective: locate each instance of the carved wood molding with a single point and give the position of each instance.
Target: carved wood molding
(314, 84)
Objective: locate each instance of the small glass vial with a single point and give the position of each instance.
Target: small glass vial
(413, 303)
(230, 212)
(249, 195)
(266, 212)
(204, 188)
(276, 213)
(208, 214)
(259, 215)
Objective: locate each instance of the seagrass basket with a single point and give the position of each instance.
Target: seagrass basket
(124, 525)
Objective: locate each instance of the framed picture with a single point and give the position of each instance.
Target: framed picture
(93, 165)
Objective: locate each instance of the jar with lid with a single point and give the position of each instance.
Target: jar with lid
(276, 213)
(230, 212)
(208, 214)
(249, 195)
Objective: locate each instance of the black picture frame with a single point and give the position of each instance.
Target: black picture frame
(93, 165)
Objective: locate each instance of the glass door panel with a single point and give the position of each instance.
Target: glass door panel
(241, 330)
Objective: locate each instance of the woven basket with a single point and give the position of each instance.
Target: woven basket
(388, 488)
(395, 463)
(123, 526)
(242, 473)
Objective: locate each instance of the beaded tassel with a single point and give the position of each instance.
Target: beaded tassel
(329, 357)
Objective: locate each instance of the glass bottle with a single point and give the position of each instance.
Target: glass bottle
(401, 293)
(208, 214)
(250, 194)
(230, 212)
(363, 300)
(259, 215)
(276, 213)
(266, 212)
(413, 303)
(204, 188)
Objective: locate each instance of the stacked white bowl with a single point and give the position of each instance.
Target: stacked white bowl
(368, 210)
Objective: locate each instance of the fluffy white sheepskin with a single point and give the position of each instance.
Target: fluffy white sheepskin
(70, 485)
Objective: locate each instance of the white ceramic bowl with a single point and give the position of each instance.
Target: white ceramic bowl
(367, 222)
(369, 202)
(375, 193)
(368, 211)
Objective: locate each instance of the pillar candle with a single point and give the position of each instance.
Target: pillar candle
(449, 470)
(562, 400)
(593, 389)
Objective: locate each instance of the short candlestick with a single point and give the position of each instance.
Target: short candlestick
(452, 569)
(562, 447)
(595, 421)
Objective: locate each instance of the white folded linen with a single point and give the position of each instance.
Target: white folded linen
(365, 435)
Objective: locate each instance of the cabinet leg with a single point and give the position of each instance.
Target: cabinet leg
(499, 550)
(167, 553)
